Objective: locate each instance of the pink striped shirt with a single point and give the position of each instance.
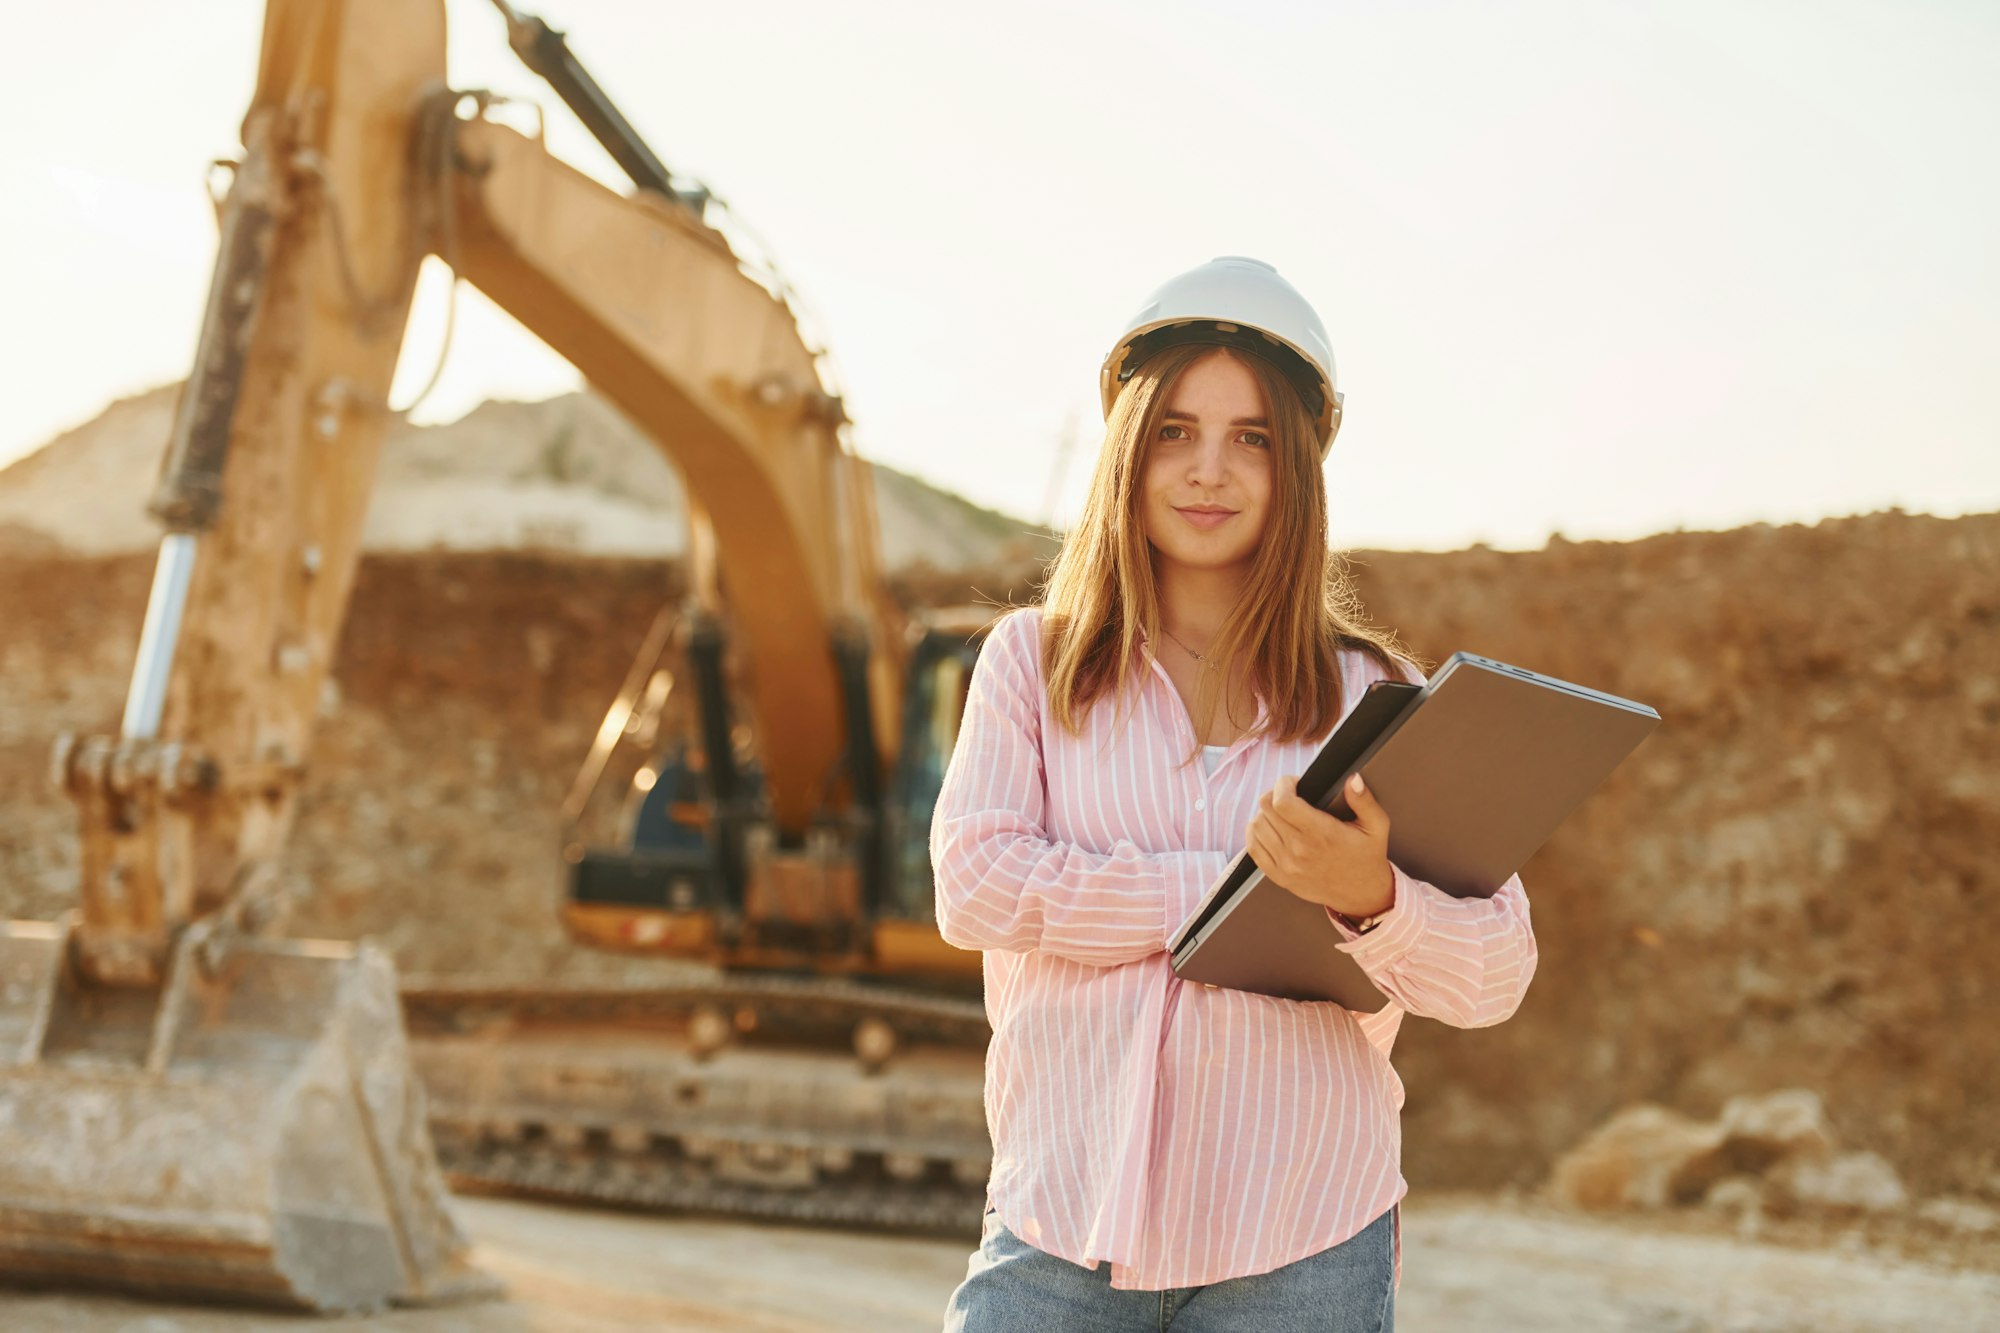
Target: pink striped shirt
(1185, 1134)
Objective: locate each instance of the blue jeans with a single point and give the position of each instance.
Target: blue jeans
(1012, 1287)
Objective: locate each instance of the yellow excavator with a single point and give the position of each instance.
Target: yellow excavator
(192, 1103)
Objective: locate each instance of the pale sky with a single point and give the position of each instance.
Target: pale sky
(1598, 268)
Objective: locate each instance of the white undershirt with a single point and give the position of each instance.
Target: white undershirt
(1211, 755)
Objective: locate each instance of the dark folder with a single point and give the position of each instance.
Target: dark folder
(1475, 768)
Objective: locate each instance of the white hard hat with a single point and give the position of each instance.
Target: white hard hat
(1234, 302)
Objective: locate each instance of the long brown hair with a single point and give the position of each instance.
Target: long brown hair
(1100, 596)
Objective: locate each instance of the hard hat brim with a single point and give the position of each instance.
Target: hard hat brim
(1322, 402)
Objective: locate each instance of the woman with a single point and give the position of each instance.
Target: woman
(1169, 1154)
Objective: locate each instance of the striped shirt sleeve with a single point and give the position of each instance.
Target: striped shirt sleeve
(1463, 961)
(1001, 881)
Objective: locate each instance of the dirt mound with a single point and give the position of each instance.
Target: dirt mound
(566, 474)
(1794, 881)
(1793, 884)
(85, 491)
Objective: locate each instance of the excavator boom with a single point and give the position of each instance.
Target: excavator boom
(710, 365)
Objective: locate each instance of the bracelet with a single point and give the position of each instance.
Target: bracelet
(1365, 924)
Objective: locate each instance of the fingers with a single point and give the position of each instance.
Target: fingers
(1269, 827)
(1259, 845)
(1368, 811)
(1289, 809)
(1295, 810)
(1300, 817)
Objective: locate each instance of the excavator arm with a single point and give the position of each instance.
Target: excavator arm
(188, 1104)
(266, 478)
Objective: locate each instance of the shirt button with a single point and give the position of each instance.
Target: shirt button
(1201, 803)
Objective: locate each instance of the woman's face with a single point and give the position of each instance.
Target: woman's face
(1207, 485)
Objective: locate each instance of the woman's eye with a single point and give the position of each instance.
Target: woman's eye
(1165, 429)
(1255, 441)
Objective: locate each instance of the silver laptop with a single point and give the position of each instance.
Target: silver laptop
(1476, 769)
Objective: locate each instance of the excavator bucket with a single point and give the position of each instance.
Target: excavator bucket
(248, 1131)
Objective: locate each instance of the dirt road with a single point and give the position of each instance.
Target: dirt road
(1473, 1263)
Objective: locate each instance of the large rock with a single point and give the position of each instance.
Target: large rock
(1735, 1195)
(1849, 1182)
(1960, 1214)
(1649, 1156)
(1643, 1157)
(1761, 1130)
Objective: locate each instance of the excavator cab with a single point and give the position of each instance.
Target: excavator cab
(935, 684)
(699, 871)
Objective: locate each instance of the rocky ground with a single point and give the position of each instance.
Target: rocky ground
(1473, 1264)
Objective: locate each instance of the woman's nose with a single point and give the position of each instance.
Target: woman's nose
(1208, 463)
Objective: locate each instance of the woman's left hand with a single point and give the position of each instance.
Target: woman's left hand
(1321, 858)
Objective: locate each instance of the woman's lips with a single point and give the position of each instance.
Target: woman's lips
(1206, 518)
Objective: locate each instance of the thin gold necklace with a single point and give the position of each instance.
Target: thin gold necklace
(1184, 648)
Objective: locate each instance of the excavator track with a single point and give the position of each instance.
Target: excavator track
(795, 1006)
(788, 1099)
(857, 1201)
